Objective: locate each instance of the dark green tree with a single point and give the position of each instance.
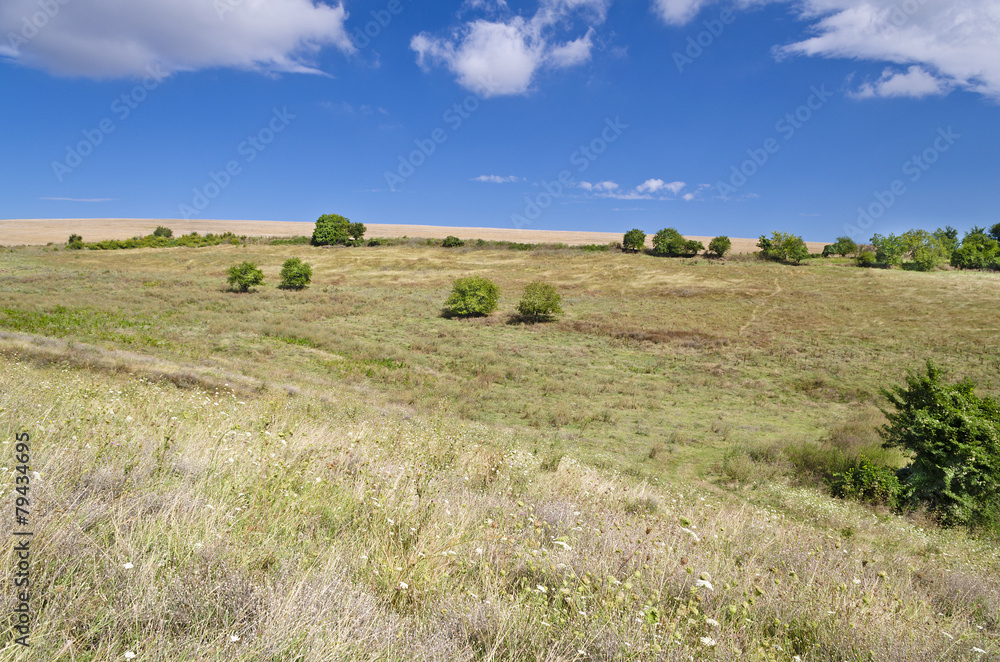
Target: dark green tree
(954, 436)
(452, 241)
(889, 249)
(634, 241)
(783, 247)
(331, 229)
(720, 245)
(162, 231)
(978, 251)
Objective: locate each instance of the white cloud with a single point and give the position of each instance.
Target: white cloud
(502, 57)
(121, 38)
(953, 43)
(678, 12)
(651, 189)
(655, 185)
(497, 179)
(914, 83)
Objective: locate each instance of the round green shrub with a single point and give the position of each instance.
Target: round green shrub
(634, 241)
(295, 274)
(472, 296)
(540, 302)
(244, 276)
(865, 258)
(162, 231)
(720, 245)
(451, 242)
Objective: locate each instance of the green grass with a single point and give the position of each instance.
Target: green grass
(538, 489)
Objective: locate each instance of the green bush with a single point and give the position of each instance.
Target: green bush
(783, 247)
(162, 231)
(244, 276)
(954, 436)
(295, 274)
(540, 302)
(595, 248)
(978, 251)
(451, 242)
(668, 242)
(75, 242)
(472, 296)
(868, 483)
(720, 245)
(865, 258)
(332, 229)
(634, 241)
(889, 249)
(843, 247)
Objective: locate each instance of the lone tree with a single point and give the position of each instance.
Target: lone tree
(75, 242)
(954, 436)
(634, 241)
(332, 229)
(244, 276)
(162, 231)
(473, 296)
(452, 241)
(295, 274)
(720, 246)
(540, 302)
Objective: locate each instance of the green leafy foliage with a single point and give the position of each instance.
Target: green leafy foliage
(295, 274)
(192, 240)
(783, 247)
(844, 246)
(865, 258)
(720, 245)
(925, 249)
(75, 242)
(540, 302)
(634, 241)
(162, 231)
(472, 297)
(948, 236)
(452, 241)
(978, 251)
(889, 249)
(995, 231)
(668, 242)
(333, 229)
(868, 483)
(954, 436)
(244, 276)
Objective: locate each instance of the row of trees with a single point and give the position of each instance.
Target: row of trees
(924, 251)
(295, 275)
(668, 242)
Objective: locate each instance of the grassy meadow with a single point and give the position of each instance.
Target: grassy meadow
(342, 473)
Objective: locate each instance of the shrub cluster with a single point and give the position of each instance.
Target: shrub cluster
(475, 296)
(295, 274)
(452, 242)
(921, 250)
(162, 240)
(668, 242)
(540, 302)
(245, 276)
(333, 229)
(783, 247)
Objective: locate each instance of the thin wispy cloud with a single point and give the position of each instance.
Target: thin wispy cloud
(498, 179)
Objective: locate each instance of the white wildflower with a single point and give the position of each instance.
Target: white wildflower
(542, 589)
(129, 655)
(978, 650)
(711, 621)
(129, 566)
(706, 584)
(708, 641)
(691, 533)
(562, 544)
(403, 585)
(234, 637)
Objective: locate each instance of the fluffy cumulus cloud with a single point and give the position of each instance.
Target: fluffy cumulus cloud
(953, 43)
(914, 83)
(502, 56)
(651, 189)
(935, 45)
(121, 38)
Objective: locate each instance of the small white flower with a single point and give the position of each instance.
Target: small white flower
(978, 650)
(129, 655)
(856, 581)
(711, 621)
(129, 566)
(691, 533)
(703, 583)
(542, 589)
(562, 544)
(234, 637)
(479, 550)
(708, 641)
(403, 585)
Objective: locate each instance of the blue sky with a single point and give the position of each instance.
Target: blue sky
(819, 117)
